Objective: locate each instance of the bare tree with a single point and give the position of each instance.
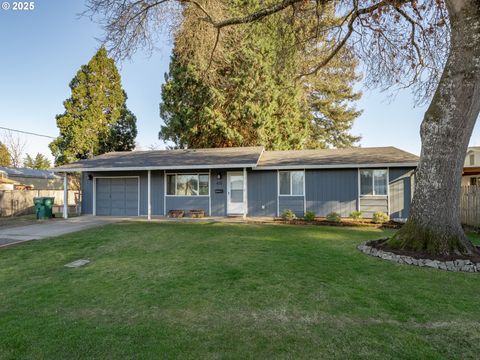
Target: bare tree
(154, 146)
(432, 46)
(16, 147)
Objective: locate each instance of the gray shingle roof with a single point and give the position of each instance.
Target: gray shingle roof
(243, 157)
(30, 173)
(171, 159)
(337, 157)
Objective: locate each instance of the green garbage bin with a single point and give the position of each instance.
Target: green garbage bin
(39, 208)
(48, 204)
(43, 207)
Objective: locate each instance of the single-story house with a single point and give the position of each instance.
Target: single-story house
(248, 181)
(6, 183)
(471, 167)
(37, 179)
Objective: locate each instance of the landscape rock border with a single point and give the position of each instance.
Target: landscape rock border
(459, 265)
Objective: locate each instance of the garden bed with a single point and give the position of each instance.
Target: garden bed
(344, 222)
(463, 263)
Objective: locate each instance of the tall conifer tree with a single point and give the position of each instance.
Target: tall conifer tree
(39, 162)
(96, 118)
(250, 93)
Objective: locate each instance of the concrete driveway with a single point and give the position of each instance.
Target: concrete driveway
(50, 228)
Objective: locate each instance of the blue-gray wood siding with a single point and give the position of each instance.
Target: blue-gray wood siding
(187, 203)
(218, 191)
(158, 188)
(87, 194)
(294, 203)
(331, 191)
(262, 193)
(400, 192)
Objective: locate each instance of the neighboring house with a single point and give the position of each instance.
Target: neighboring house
(471, 167)
(38, 179)
(6, 183)
(247, 181)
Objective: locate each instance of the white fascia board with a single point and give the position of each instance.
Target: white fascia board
(338, 166)
(144, 168)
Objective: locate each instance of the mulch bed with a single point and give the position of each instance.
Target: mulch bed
(381, 245)
(345, 222)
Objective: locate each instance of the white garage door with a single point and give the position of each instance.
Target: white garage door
(117, 196)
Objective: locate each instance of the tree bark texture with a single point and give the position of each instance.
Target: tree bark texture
(434, 223)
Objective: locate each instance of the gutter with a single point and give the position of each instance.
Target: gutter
(143, 168)
(336, 166)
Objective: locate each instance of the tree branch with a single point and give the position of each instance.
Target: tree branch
(354, 15)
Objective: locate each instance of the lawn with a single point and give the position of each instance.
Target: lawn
(166, 290)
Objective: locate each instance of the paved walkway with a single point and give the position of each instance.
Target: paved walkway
(50, 228)
(56, 227)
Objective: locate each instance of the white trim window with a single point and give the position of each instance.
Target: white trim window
(291, 183)
(188, 185)
(373, 182)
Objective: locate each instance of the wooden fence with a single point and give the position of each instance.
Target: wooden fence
(470, 205)
(20, 202)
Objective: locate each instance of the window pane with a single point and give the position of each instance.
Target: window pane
(236, 182)
(170, 184)
(380, 182)
(203, 187)
(284, 183)
(236, 196)
(187, 185)
(366, 182)
(297, 182)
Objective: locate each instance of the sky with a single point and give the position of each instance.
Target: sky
(42, 49)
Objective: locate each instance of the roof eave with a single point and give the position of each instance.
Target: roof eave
(144, 168)
(336, 166)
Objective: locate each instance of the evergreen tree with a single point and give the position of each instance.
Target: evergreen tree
(122, 133)
(92, 113)
(252, 96)
(39, 162)
(5, 158)
(331, 107)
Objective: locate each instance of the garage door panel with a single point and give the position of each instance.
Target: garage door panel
(117, 196)
(103, 210)
(131, 197)
(117, 211)
(133, 211)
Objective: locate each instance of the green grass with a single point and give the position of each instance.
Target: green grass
(229, 291)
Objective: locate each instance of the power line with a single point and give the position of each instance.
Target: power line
(27, 132)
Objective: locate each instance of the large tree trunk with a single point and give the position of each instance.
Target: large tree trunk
(434, 224)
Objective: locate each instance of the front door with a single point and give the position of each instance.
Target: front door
(235, 193)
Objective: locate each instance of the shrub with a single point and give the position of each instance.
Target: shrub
(334, 217)
(356, 215)
(288, 215)
(380, 217)
(309, 216)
